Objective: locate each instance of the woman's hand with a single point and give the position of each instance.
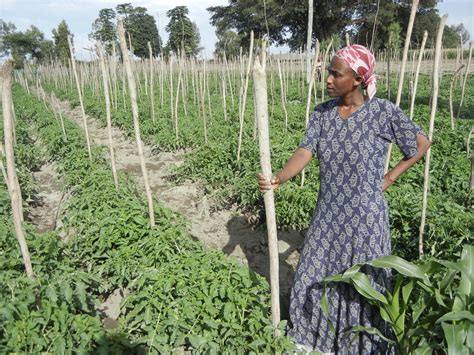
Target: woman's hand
(386, 182)
(265, 185)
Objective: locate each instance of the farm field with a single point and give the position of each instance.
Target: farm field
(131, 220)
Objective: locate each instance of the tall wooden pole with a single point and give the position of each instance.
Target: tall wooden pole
(152, 93)
(418, 66)
(309, 37)
(100, 53)
(244, 97)
(79, 92)
(434, 103)
(136, 124)
(466, 74)
(13, 186)
(414, 7)
(261, 106)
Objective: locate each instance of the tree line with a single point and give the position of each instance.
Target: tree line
(376, 24)
(370, 23)
(140, 26)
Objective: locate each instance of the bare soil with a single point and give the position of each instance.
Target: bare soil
(224, 229)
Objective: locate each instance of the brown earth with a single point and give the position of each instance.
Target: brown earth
(224, 229)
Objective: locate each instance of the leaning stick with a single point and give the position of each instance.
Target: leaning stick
(418, 66)
(414, 6)
(308, 100)
(152, 94)
(105, 79)
(79, 92)
(465, 77)
(283, 96)
(325, 60)
(434, 103)
(244, 97)
(136, 124)
(451, 84)
(261, 106)
(13, 186)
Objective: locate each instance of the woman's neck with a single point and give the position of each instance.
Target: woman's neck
(352, 99)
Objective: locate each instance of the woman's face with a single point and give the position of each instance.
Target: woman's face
(341, 79)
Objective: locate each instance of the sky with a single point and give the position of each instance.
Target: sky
(79, 15)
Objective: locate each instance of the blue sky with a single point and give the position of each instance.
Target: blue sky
(79, 15)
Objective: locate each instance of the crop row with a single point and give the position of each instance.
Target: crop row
(181, 295)
(450, 220)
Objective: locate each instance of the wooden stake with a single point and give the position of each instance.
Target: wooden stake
(308, 100)
(309, 37)
(466, 74)
(79, 92)
(136, 124)
(451, 84)
(244, 97)
(439, 38)
(261, 105)
(13, 185)
(100, 53)
(418, 66)
(414, 7)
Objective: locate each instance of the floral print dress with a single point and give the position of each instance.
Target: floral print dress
(350, 223)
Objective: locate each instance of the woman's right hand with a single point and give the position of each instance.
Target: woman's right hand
(265, 185)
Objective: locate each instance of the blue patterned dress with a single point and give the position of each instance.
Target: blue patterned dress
(350, 223)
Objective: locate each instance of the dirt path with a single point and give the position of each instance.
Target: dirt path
(44, 211)
(226, 230)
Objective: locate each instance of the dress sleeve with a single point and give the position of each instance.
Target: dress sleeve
(312, 133)
(402, 131)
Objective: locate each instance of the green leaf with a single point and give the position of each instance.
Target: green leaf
(370, 330)
(197, 341)
(51, 294)
(455, 336)
(362, 284)
(466, 286)
(401, 265)
(456, 316)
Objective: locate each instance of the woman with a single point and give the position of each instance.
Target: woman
(350, 136)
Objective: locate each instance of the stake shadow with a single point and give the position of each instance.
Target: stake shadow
(253, 244)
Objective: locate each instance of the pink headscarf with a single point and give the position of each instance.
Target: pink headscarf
(362, 61)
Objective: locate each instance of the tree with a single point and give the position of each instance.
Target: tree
(228, 43)
(61, 47)
(103, 29)
(6, 28)
(183, 34)
(284, 22)
(142, 29)
(24, 46)
(452, 36)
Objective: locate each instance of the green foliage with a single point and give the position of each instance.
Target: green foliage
(182, 296)
(430, 307)
(394, 30)
(103, 29)
(142, 29)
(61, 47)
(284, 24)
(183, 35)
(29, 45)
(228, 44)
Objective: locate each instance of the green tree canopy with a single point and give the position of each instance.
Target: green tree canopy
(142, 29)
(286, 21)
(104, 29)
(61, 47)
(182, 33)
(29, 45)
(283, 21)
(228, 43)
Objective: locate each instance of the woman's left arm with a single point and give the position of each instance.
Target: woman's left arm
(423, 144)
